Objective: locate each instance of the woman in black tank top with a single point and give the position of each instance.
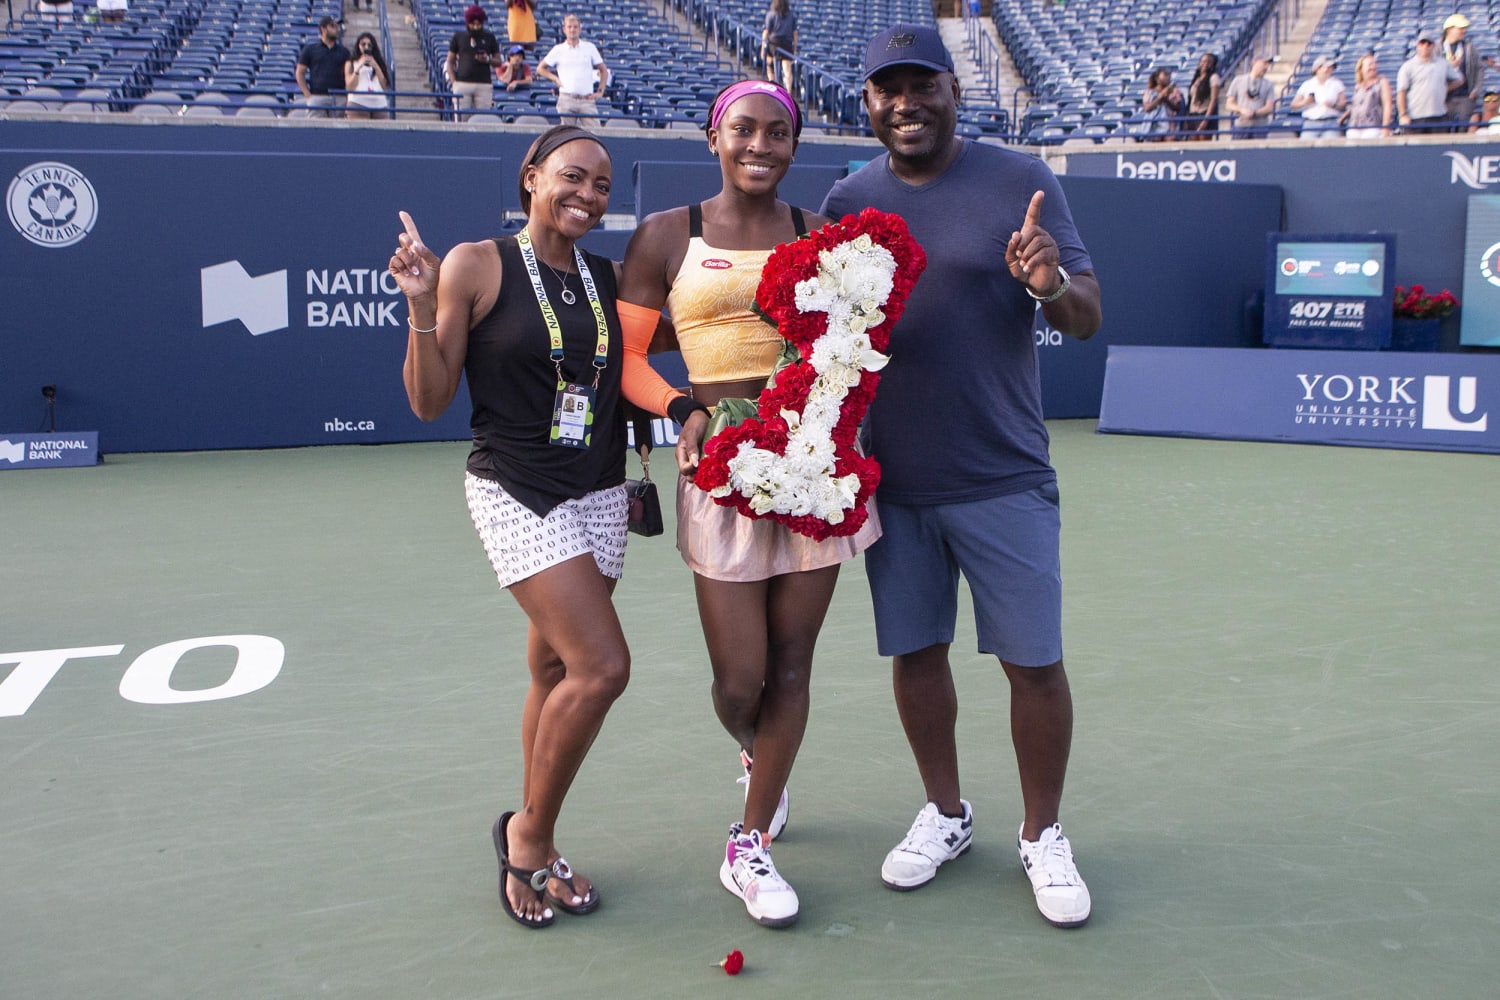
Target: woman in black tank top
(532, 321)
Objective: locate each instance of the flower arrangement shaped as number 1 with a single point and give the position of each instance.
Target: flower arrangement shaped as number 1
(834, 297)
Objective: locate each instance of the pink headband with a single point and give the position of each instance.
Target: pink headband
(737, 90)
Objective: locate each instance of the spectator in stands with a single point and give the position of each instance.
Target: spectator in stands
(112, 11)
(549, 504)
(1161, 106)
(965, 473)
(473, 56)
(1251, 99)
(779, 33)
(520, 22)
(54, 10)
(1422, 87)
(763, 590)
(1202, 119)
(1369, 114)
(514, 73)
(1321, 99)
(580, 74)
(320, 69)
(366, 78)
(1463, 55)
(1489, 113)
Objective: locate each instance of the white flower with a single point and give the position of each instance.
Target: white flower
(854, 281)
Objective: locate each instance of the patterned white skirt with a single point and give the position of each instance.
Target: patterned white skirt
(520, 544)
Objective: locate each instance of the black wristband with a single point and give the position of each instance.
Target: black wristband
(682, 407)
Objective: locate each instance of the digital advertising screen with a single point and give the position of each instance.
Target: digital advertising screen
(1329, 291)
(1479, 319)
(1356, 269)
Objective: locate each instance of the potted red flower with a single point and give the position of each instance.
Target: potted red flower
(1417, 316)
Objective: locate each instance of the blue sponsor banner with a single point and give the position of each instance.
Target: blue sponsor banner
(1417, 191)
(1436, 402)
(52, 450)
(265, 318)
(246, 321)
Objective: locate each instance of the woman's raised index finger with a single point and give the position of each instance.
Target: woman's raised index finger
(411, 228)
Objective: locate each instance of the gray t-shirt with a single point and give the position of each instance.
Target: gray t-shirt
(958, 415)
(1425, 82)
(1249, 95)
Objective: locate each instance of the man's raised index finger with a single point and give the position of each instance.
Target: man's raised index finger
(1034, 210)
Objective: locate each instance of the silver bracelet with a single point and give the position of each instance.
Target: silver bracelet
(418, 329)
(1067, 283)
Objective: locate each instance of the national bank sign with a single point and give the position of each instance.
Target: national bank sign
(52, 450)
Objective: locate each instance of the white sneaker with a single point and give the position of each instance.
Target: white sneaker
(1060, 893)
(932, 840)
(750, 874)
(783, 805)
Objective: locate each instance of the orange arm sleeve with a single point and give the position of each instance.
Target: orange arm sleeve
(641, 383)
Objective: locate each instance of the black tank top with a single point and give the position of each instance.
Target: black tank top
(513, 387)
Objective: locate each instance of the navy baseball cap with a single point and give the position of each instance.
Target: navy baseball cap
(908, 45)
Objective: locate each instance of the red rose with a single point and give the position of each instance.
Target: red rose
(733, 962)
(776, 298)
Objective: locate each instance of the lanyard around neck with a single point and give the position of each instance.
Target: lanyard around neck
(549, 315)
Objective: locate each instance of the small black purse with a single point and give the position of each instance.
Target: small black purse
(644, 516)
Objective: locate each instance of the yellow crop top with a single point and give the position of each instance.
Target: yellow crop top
(722, 339)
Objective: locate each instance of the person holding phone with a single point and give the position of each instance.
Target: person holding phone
(366, 79)
(470, 68)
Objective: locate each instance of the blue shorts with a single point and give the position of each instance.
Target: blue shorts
(1006, 547)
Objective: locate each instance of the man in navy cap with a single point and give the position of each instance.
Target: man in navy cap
(967, 485)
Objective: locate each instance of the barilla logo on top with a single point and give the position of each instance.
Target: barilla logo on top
(716, 264)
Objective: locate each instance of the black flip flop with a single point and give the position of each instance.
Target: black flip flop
(536, 879)
(563, 872)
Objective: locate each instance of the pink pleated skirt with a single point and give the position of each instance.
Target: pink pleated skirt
(723, 544)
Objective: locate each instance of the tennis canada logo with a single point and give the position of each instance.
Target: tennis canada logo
(51, 204)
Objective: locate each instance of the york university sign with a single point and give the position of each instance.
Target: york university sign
(1378, 399)
(1391, 402)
